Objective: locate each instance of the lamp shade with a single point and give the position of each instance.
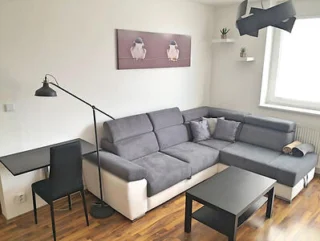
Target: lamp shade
(46, 91)
(281, 16)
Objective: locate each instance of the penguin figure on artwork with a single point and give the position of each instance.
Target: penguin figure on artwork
(138, 50)
(173, 51)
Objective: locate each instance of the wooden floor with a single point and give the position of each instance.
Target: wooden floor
(299, 221)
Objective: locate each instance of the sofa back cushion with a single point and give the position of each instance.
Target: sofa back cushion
(271, 123)
(195, 114)
(133, 147)
(165, 118)
(119, 129)
(169, 128)
(130, 137)
(228, 114)
(267, 132)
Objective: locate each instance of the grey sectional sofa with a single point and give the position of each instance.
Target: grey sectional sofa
(148, 159)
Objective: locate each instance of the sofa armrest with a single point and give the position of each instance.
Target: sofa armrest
(118, 166)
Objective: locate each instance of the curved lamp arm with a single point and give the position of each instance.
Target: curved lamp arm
(46, 83)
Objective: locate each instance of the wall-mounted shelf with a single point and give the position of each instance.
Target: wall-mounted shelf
(228, 40)
(246, 59)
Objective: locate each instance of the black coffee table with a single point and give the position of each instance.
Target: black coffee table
(229, 198)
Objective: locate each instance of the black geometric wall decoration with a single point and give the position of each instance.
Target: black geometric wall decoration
(281, 16)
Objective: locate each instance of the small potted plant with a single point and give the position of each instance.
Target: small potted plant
(224, 33)
(243, 52)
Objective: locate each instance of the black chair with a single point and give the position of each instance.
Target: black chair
(65, 178)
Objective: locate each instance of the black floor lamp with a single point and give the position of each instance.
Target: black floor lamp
(100, 209)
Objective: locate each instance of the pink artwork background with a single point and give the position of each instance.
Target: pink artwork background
(156, 45)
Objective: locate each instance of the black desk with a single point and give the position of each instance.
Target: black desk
(31, 160)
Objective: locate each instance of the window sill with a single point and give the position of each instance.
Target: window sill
(290, 109)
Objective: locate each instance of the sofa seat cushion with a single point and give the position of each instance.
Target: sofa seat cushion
(216, 144)
(198, 156)
(290, 170)
(287, 170)
(163, 171)
(249, 157)
(240, 154)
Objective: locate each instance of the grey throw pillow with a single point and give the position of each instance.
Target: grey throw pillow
(226, 130)
(200, 130)
(212, 122)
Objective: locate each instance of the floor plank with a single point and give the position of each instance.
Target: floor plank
(299, 221)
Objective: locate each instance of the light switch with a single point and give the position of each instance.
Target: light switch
(9, 108)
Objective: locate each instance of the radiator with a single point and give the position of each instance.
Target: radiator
(309, 135)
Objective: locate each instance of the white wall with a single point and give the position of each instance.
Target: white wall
(237, 85)
(75, 41)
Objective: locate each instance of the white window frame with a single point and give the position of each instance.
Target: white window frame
(268, 98)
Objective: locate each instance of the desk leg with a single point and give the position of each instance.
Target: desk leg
(188, 214)
(233, 232)
(270, 203)
(46, 172)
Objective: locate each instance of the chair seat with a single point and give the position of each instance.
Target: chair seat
(45, 190)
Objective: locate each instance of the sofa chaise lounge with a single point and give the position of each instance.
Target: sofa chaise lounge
(148, 159)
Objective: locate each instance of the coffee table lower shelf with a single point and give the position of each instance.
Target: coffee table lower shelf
(219, 222)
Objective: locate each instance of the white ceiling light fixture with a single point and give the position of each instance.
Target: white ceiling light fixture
(281, 16)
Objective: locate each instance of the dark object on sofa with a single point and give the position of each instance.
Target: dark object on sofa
(302, 150)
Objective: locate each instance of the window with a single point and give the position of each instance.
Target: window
(293, 78)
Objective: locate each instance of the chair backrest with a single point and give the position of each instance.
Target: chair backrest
(66, 169)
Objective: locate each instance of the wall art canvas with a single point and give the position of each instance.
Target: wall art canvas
(141, 50)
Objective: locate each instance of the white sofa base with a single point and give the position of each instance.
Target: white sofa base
(180, 187)
(131, 200)
(128, 198)
(289, 193)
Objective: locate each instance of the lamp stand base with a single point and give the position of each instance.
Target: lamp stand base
(100, 210)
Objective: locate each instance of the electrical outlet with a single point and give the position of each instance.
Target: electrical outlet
(20, 198)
